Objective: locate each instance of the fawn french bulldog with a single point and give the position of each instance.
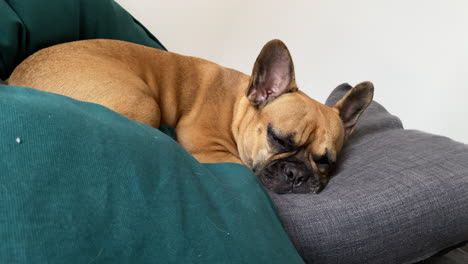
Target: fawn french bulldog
(263, 121)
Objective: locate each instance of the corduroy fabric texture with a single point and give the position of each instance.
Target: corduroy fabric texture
(27, 26)
(398, 196)
(80, 183)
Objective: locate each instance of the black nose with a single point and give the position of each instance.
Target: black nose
(295, 176)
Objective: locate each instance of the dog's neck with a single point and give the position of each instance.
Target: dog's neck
(193, 107)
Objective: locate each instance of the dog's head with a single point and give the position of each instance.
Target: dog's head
(290, 140)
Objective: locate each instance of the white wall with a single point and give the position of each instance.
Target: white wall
(415, 51)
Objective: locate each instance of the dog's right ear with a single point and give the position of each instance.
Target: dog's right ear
(272, 75)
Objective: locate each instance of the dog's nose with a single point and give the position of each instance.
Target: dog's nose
(298, 182)
(295, 176)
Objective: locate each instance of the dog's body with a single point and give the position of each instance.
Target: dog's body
(220, 115)
(140, 83)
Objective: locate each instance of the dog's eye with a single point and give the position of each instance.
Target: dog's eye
(277, 140)
(280, 143)
(323, 164)
(323, 167)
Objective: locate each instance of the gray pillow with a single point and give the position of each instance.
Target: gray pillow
(398, 196)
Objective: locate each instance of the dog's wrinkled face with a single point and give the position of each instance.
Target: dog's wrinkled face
(298, 147)
(293, 141)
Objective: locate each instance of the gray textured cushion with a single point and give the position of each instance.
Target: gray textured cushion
(398, 196)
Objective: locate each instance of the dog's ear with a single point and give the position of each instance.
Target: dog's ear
(272, 75)
(353, 104)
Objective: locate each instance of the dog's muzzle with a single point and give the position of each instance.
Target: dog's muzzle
(289, 175)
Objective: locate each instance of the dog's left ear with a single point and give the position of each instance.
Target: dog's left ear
(353, 104)
(272, 75)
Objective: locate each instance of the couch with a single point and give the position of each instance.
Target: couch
(80, 183)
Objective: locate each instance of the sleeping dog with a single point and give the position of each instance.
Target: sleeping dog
(263, 121)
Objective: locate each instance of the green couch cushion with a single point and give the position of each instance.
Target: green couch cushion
(29, 25)
(80, 183)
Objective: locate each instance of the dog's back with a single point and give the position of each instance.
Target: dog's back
(91, 64)
(128, 78)
(97, 71)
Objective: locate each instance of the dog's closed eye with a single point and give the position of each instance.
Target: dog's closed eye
(280, 143)
(324, 164)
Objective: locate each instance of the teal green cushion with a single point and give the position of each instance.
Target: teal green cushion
(80, 183)
(29, 25)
